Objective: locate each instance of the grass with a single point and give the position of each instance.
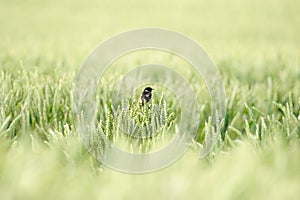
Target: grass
(254, 44)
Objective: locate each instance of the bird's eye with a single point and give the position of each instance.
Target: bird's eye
(146, 91)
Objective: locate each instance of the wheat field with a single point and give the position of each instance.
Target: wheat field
(255, 45)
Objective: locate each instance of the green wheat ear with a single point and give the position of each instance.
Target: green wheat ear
(146, 123)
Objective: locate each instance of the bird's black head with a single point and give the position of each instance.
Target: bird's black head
(148, 89)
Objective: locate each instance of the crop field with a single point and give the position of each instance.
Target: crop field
(256, 47)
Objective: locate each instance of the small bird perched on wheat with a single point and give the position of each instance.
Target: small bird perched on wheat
(146, 95)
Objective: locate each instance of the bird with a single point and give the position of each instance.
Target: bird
(146, 95)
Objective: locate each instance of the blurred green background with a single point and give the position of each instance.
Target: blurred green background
(69, 30)
(254, 43)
